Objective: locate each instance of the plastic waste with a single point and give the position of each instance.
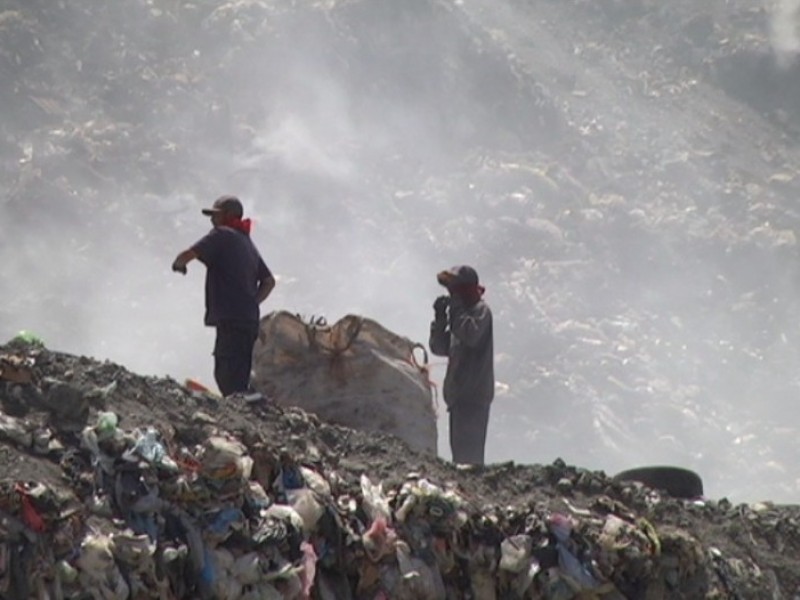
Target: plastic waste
(309, 570)
(285, 535)
(558, 588)
(225, 521)
(517, 558)
(148, 447)
(13, 429)
(208, 573)
(107, 390)
(402, 513)
(375, 504)
(516, 553)
(30, 516)
(226, 585)
(228, 588)
(379, 539)
(419, 580)
(561, 527)
(172, 554)
(264, 591)
(575, 569)
(525, 580)
(285, 513)
(107, 422)
(429, 501)
(443, 554)
(195, 386)
(28, 337)
(256, 497)
(223, 560)
(99, 570)
(306, 505)
(133, 550)
(291, 478)
(247, 568)
(67, 572)
(223, 459)
(316, 482)
(483, 585)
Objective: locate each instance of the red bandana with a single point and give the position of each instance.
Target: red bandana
(243, 225)
(470, 293)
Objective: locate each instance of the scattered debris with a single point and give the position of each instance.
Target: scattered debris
(271, 502)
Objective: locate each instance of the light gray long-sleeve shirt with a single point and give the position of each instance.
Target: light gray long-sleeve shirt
(467, 341)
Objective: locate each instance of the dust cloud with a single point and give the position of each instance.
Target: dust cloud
(785, 30)
(373, 146)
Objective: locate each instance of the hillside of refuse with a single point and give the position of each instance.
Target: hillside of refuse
(121, 486)
(624, 173)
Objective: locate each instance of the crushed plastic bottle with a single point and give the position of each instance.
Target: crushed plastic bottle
(148, 447)
(107, 422)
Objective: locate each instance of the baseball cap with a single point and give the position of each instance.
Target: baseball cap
(227, 204)
(458, 275)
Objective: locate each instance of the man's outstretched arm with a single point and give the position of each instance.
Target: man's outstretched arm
(184, 258)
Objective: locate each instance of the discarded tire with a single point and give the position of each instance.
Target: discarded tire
(676, 481)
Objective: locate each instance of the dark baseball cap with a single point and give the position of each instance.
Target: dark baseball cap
(229, 205)
(459, 275)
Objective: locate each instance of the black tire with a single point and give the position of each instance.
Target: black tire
(676, 481)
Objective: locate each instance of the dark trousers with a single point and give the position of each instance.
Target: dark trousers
(233, 355)
(468, 426)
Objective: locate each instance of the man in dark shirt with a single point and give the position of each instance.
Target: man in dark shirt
(462, 331)
(237, 282)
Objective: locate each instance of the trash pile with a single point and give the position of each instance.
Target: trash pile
(132, 488)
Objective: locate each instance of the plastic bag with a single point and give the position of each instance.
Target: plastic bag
(306, 505)
(375, 503)
(516, 553)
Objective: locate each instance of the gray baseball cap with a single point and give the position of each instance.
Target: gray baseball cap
(229, 205)
(459, 275)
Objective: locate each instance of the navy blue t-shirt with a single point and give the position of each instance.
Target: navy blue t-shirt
(234, 270)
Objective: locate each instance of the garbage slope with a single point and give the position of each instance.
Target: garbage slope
(136, 487)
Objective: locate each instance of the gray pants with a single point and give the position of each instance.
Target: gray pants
(468, 426)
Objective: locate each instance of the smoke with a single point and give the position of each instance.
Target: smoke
(785, 31)
(379, 144)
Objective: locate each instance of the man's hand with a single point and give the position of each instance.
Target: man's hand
(180, 262)
(440, 306)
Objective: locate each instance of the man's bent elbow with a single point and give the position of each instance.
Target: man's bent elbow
(265, 289)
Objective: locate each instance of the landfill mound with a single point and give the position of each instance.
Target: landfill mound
(122, 486)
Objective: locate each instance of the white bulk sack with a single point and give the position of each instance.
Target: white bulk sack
(354, 373)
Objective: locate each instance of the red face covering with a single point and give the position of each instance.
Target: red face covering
(470, 293)
(243, 225)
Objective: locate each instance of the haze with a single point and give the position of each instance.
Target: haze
(622, 175)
